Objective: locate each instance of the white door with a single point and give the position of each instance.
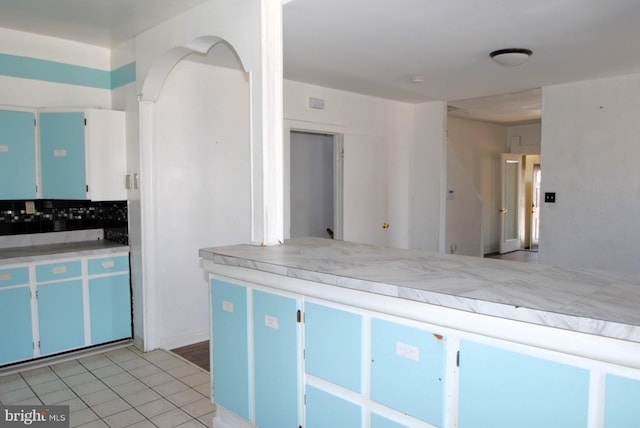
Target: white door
(535, 209)
(365, 190)
(511, 167)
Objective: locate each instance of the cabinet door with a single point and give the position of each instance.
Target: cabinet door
(324, 409)
(110, 308)
(622, 408)
(230, 338)
(106, 154)
(276, 358)
(408, 370)
(16, 337)
(17, 155)
(333, 345)
(60, 316)
(62, 155)
(504, 389)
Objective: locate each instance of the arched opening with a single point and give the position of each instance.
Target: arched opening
(195, 148)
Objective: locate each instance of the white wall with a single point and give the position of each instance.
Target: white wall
(590, 153)
(202, 166)
(428, 177)
(383, 146)
(478, 146)
(36, 93)
(524, 139)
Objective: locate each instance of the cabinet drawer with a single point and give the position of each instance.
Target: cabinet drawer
(61, 270)
(14, 276)
(108, 265)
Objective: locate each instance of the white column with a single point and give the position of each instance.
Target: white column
(266, 131)
(148, 226)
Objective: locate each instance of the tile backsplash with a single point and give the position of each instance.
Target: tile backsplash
(65, 215)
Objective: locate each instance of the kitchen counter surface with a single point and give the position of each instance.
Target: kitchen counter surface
(31, 253)
(594, 302)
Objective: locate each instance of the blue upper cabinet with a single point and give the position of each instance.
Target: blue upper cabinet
(62, 155)
(17, 155)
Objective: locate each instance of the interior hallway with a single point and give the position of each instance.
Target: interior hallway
(118, 388)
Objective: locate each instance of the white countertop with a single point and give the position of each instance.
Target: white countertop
(594, 302)
(35, 253)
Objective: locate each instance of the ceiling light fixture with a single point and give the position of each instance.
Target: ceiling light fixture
(511, 57)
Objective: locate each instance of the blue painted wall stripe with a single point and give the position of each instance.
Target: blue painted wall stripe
(52, 71)
(123, 75)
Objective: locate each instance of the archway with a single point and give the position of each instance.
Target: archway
(194, 142)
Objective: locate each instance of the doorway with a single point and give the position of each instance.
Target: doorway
(315, 185)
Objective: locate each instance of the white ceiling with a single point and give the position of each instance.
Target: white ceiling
(374, 47)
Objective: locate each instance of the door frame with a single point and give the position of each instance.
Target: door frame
(338, 172)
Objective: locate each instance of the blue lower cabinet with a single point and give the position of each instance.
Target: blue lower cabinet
(333, 345)
(324, 410)
(16, 338)
(276, 360)
(230, 339)
(60, 316)
(110, 308)
(408, 370)
(505, 389)
(622, 405)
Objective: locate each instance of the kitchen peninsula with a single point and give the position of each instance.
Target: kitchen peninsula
(355, 335)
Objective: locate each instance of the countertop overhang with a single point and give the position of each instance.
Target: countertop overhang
(594, 302)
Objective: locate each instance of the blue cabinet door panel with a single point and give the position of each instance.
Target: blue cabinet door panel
(230, 338)
(408, 370)
(333, 345)
(60, 316)
(378, 421)
(58, 271)
(622, 405)
(110, 308)
(16, 339)
(324, 410)
(108, 265)
(62, 155)
(275, 330)
(504, 389)
(14, 276)
(17, 155)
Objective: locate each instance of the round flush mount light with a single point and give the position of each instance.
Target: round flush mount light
(511, 57)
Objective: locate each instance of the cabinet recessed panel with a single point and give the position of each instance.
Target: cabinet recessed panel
(60, 316)
(62, 155)
(324, 409)
(622, 409)
(276, 360)
(500, 388)
(17, 155)
(16, 340)
(408, 370)
(378, 421)
(333, 345)
(110, 308)
(230, 335)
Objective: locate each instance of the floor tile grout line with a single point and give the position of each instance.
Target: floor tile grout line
(86, 369)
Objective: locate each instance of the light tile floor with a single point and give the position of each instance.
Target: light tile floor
(118, 388)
